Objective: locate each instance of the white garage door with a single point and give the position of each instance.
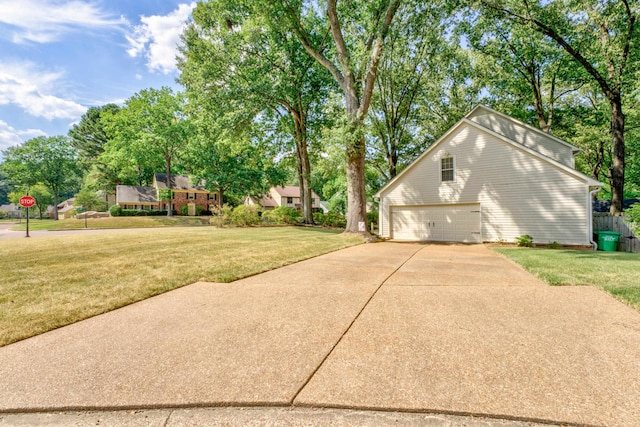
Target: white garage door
(443, 223)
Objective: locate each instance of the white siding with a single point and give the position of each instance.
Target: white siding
(518, 193)
(525, 135)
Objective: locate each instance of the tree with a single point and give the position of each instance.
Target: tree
(358, 32)
(43, 197)
(90, 138)
(234, 54)
(5, 187)
(150, 130)
(48, 160)
(602, 38)
(90, 201)
(420, 73)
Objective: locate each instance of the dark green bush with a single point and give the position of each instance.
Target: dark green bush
(141, 212)
(632, 214)
(282, 215)
(331, 219)
(525, 241)
(115, 210)
(244, 215)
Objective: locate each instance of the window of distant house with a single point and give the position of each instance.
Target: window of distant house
(173, 195)
(447, 169)
(289, 200)
(191, 196)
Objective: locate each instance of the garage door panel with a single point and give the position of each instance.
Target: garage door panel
(451, 223)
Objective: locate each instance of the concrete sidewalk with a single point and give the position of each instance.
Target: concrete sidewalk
(448, 329)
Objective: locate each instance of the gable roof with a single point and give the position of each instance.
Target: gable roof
(290, 191)
(479, 109)
(136, 194)
(178, 182)
(465, 121)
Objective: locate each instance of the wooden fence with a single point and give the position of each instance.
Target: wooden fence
(628, 240)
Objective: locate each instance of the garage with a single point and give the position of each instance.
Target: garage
(439, 223)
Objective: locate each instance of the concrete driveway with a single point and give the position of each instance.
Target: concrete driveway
(445, 329)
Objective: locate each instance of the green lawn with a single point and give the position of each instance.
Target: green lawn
(616, 272)
(113, 222)
(48, 282)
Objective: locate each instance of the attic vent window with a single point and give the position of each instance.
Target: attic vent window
(447, 169)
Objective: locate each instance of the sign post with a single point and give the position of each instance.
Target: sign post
(27, 202)
(82, 209)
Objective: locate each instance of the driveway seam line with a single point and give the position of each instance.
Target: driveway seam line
(357, 316)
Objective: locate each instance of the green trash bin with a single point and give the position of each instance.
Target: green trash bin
(608, 240)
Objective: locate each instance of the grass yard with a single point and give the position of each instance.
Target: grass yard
(114, 222)
(616, 272)
(48, 282)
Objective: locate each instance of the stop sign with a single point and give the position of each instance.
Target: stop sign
(27, 201)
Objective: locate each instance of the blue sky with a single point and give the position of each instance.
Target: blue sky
(59, 57)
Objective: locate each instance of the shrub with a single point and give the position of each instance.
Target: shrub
(4, 214)
(524, 240)
(115, 210)
(244, 215)
(330, 219)
(184, 210)
(633, 213)
(141, 212)
(554, 245)
(282, 215)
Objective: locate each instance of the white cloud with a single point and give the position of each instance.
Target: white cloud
(10, 137)
(44, 21)
(35, 92)
(157, 38)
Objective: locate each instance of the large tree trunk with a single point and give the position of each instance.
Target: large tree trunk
(617, 170)
(55, 205)
(304, 166)
(356, 191)
(168, 172)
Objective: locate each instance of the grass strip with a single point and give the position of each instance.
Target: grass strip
(615, 272)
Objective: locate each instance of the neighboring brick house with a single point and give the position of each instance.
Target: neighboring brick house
(288, 196)
(183, 193)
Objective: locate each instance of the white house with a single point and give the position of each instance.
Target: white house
(490, 178)
(288, 196)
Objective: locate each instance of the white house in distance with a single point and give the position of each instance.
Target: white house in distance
(288, 196)
(490, 178)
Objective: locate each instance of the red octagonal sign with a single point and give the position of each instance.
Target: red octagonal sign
(27, 201)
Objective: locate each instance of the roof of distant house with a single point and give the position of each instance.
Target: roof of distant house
(178, 182)
(66, 203)
(136, 194)
(9, 208)
(268, 202)
(289, 191)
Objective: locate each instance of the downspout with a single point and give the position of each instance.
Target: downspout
(591, 194)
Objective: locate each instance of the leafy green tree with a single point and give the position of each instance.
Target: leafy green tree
(48, 160)
(5, 187)
(601, 37)
(257, 65)
(422, 82)
(44, 198)
(90, 138)
(148, 133)
(90, 201)
(358, 30)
